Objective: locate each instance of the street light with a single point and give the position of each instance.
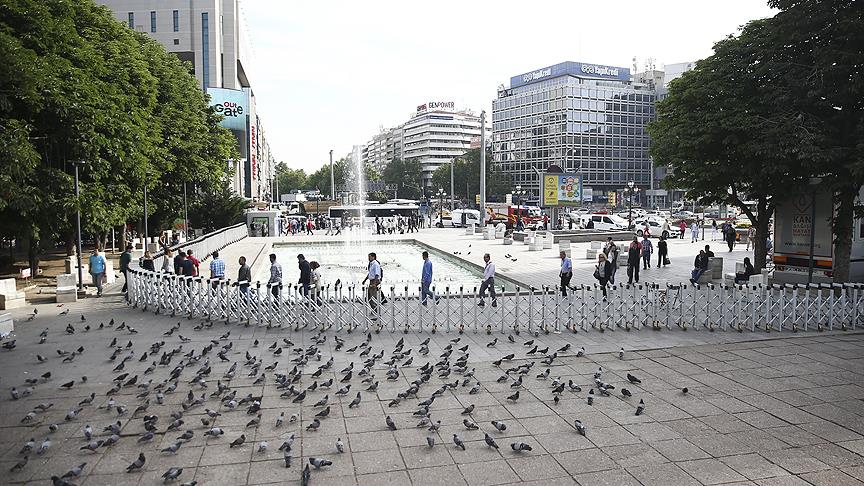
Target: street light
(630, 190)
(814, 182)
(441, 195)
(76, 163)
(519, 192)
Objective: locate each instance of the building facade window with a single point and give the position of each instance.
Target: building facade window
(205, 45)
(132, 20)
(176, 15)
(152, 21)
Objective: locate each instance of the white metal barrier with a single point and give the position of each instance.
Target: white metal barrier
(629, 307)
(203, 246)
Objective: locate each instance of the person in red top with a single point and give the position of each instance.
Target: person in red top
(195, 262)
(683, 227)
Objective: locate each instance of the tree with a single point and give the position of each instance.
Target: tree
(290, 180)
(320, 179)
(217, 209)
(406, 174)
(466, 171)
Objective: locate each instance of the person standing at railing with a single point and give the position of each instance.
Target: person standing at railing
(305, 275)
(244, 276)
(275, 277)
(316, 281)
(147, 262)
(178, 261)
(125, 260)
(373, 276)
(167, 261)
(426, 280)
(611, 252)
(195, 263)
(488, 282)
(602, 272)
(566, 272)
(217, 269)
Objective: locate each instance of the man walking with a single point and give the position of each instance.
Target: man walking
(751, 235)
(426, 280)
(633, 257)
(731, 236)
(305, 275)
(566, 272)
(217, 269)
(178, 261)
(647, 249)
(97, 270)
(125, 260)
(611, 252)
(488, 282)
(373, 276)
(244, 276)
(662, 252)
(275, 277)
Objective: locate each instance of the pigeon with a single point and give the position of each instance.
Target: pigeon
(500, 426)
(314, 425)
(474, 389)
(633, 379)
(458, 441)
(468, 409)
(262, 446)
(492, 344)
(146, 437)
(641, 407)
(591, 397)
(172, 474)
(340, 446)
(323, 413)
(470, 425)
(390, 424)
(490, 441)
(214, 432)
(280, 419)
(514, 396)
(430, 441)
(74, 472)
(581, 352)
(621, 354)
(287, 457)
(173, 448)
(304, 479)
(626, 392)
(238, 441)
(520, 446)
(92, 446)
(355, 402)
(319, 463)
(46, 444)
(580, 427)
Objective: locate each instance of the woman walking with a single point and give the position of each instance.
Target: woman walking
(602, 272)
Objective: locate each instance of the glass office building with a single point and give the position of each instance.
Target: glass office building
(585, 118)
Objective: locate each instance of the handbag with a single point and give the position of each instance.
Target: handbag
(666, 261)
(597, 273)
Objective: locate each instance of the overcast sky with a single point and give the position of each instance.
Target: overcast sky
(328, 75)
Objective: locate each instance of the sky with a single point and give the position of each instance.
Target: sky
(329, 75)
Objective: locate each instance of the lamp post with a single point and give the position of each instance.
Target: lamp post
(185, 214)
(483, 168)
(441, 195)
(814, 182)
(452, 189)
(631, 187)
(76, 163)
(519, 192)
(332, 179)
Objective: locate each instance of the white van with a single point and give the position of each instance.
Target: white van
(604, 222)
(461, 218)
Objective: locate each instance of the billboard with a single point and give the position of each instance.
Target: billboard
(232, 104)
(578, 69)
(792, 224)
(561, 190)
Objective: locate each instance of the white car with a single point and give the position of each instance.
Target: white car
(655, 228)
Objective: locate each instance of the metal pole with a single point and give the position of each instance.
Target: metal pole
(332, 179)
(185, 214)
(78, 218)
(812, 235)
(483, 168)
(452, 188)
(146, 233)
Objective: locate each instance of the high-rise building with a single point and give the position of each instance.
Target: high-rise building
(585, 118)
(436, 134)
(210, 35)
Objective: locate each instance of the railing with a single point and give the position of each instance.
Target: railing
(205, 245)
(713, 307)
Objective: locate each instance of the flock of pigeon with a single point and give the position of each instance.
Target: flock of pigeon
(191, 372)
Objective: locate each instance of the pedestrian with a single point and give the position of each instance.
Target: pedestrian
(731, 236)
(602, 272)
(175, 239)
(566, 272)
(167, 261)
(195, 263)
(373, 276)
(748, 271)
(189, 269)
(666, 230)
(647, 250)
(217, 269)
(713, 230)
(305, 275)
(682, 226)
(662, 252)
(708, 252)
(97, 270)
(244, 276)
(275, 281)
(147, 262)
(751, 236)
(426, 280)
(125, 260)
(488, 282)
(634, 252)
(694, 232)
(178, 261)
(611, 252)
(316, 281)
(309, 227)
(700, 266)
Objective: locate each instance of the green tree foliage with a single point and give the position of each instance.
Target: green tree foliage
(78, 85)
(407, 175)
(466, 170)
(321, 177)
(289, 179)
(217, 209)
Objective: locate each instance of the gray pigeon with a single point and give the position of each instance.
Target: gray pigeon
(458, 441)
(581, 428)
(501, 426)
(75, 471)
(490, 441)
(319, 463)
(340, 446)
(390, 424)
(172, 474)
(430, 440)
(138, 464)
(520, 446)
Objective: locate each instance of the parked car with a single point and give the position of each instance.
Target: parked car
(655, 226)
(605, 222)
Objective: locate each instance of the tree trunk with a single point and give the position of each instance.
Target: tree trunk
(33, 256)
(759, 251)
(70, 241)
(843, 231)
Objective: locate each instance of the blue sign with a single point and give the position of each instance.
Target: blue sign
(232, 104)
(578, 69)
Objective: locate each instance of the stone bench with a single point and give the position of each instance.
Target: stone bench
(508, 241)
(591, 254)
(706, 277)
(7, 326)
(715, 267)
(10, 297)
(564, 245)
(66, 290)
(529, 237)
(596, 245)
(548, 241)
(469, 229)
(536, 243)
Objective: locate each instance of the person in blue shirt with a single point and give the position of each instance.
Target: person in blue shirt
(97, 270)
(426, 280)
(566, 272)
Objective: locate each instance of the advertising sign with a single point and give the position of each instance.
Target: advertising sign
(792, 224)
(232, 104)
(436, 105)
(561, 190)
(578, 69)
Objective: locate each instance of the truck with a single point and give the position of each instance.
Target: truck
(508, 213)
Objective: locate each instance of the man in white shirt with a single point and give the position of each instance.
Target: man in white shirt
(566, 272)
(488, 282)
(275, 278)
(373, 275)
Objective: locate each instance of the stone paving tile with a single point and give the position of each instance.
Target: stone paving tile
(612, 477)
(830, 478)
(536, 467)
(661, 475)
(488, 473)
(393, 478)
(437, 476)
(753, 466)
(710, 471)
